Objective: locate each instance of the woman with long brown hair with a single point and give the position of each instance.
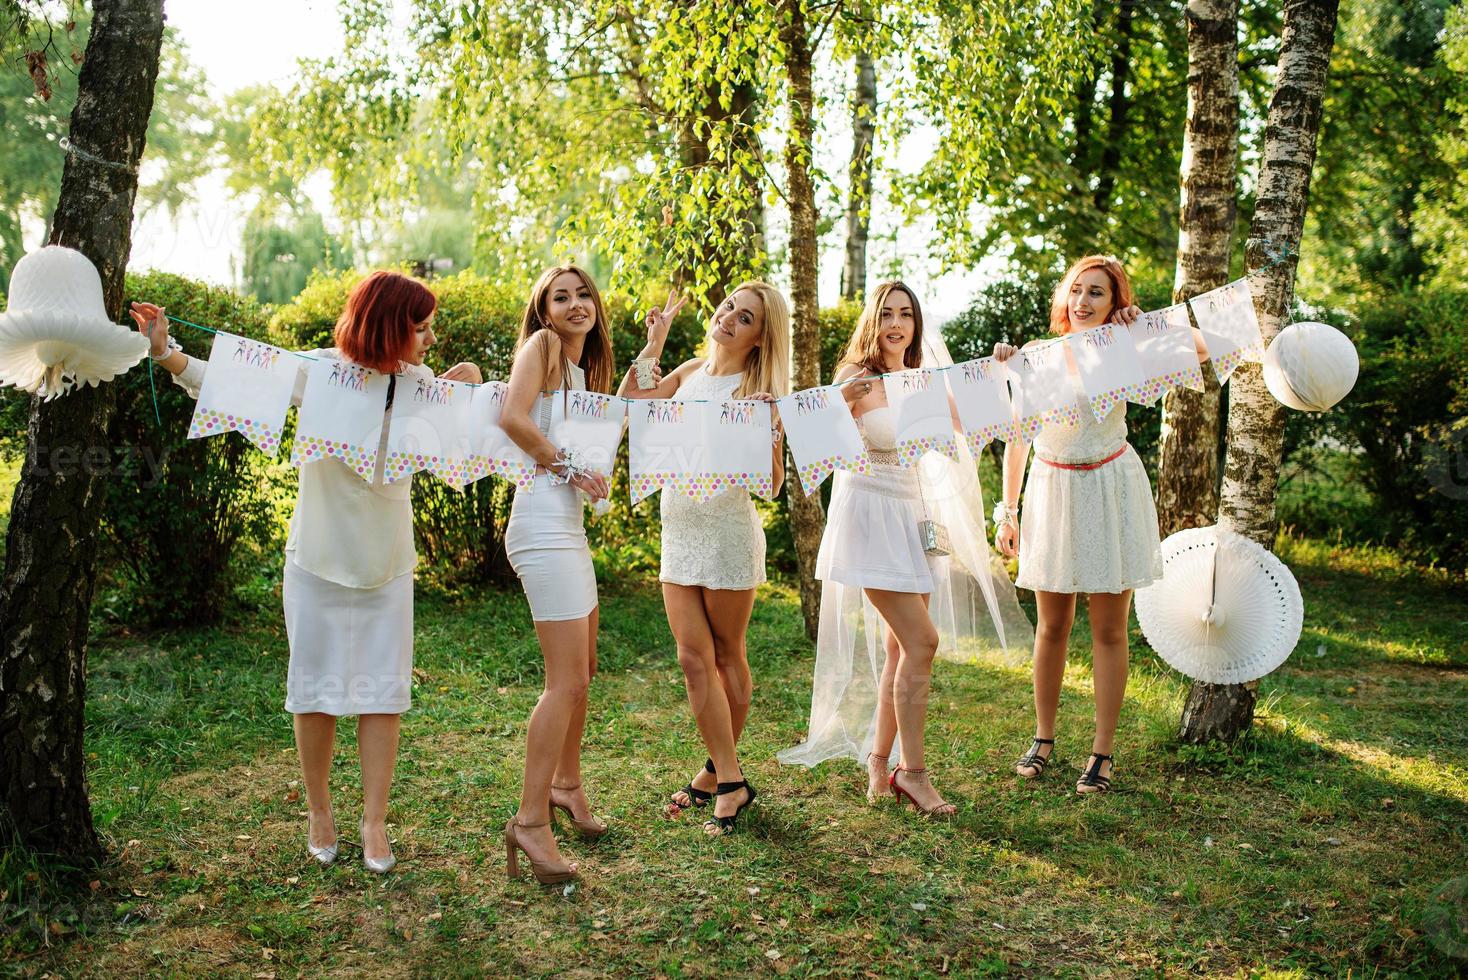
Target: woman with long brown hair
(348, 590)
(565, 343)
(713, 552)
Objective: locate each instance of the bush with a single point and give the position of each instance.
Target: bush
(185, 518)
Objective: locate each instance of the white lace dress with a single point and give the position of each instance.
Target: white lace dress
(718, 544)
(1088, 530)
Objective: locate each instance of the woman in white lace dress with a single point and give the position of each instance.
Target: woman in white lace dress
(1089, 527)
(713, 553)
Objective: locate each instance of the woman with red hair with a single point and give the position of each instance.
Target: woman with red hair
(1090, 527)
(348, 590)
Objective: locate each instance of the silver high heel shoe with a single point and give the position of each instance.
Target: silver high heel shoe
(324, 855)
(376, 865)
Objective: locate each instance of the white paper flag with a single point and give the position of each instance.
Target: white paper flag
(1226, 317)
(981, 391)
(823, 435)
(1045, 390)
(491, 453)
(428, 430)
(739, 434)
(1108, 365)
(341, 415)
(589, 424)
(1164, 341)
(247, 389)
(666, 446)
(919, 402)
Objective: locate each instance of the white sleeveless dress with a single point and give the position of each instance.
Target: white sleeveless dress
(546, 538)
(872, 539)
(720, 543)
(1088, 530)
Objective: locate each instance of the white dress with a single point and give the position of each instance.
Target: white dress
(872, 539)
(1091, 530)
(720, 543)
(347, 592)
(546, 538)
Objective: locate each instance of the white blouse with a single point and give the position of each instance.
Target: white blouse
(344, 529)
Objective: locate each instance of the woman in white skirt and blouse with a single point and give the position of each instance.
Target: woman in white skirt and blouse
(348, 589)
(1089, 527)
(713, 552)
(565, 343)
(888, 601)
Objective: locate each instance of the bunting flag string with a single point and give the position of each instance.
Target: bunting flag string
(702, 447)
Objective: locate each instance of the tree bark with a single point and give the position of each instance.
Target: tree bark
(859, 197)
(1187, 477)
(807, 518)
(51, 548)
(1255, 419)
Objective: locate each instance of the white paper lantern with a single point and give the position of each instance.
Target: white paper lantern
(55, 332)
(1310, 366)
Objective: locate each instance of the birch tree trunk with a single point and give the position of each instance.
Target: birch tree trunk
(1187, 476)
(51, 546)
(1255, 419)
(859, 197)
(807, 518)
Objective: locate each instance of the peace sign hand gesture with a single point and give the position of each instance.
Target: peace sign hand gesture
(660, 321)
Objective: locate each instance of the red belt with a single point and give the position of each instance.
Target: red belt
(1083, 466)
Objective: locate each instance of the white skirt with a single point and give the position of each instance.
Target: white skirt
(715, 544)
(872, 539)
(546, 544)
(351, 649)
(1089, 530)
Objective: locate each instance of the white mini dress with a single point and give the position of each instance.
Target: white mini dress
(872, 539)
(546, 538)
(1088, 530)
(719, 543)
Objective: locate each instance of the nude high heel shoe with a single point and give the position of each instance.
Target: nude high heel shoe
(586, 829)
(546, 874)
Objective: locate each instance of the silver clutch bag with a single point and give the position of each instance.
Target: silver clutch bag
(935, 539)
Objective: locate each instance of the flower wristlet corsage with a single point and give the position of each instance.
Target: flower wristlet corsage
(570, 466)
(1005, 514)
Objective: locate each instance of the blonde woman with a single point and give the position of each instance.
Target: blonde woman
(1090, 528)
(713, 553)
(565, 343)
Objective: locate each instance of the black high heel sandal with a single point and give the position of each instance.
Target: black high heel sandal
(1034, 760)
(1092, 776)
(696, 797)
(719, 826)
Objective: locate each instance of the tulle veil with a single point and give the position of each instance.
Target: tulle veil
(973, 605)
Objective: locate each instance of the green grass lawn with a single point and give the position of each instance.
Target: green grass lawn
(1314, 848)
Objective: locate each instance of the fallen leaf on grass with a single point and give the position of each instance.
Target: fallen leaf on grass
(772, 954)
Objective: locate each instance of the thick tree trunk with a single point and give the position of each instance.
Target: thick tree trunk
(807, 518)
(1187, 477)
(1255, 419)
(859, 197)
(50, 567)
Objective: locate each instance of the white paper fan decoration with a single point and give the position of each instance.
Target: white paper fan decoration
(1225, 611)
(55, 332)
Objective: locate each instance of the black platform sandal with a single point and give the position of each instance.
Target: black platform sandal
(1091, 780)
(719, 826)
(1034, 760)
(696, 797)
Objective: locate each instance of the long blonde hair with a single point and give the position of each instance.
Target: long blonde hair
(767, 367)
(596, 354)
(864, 350)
